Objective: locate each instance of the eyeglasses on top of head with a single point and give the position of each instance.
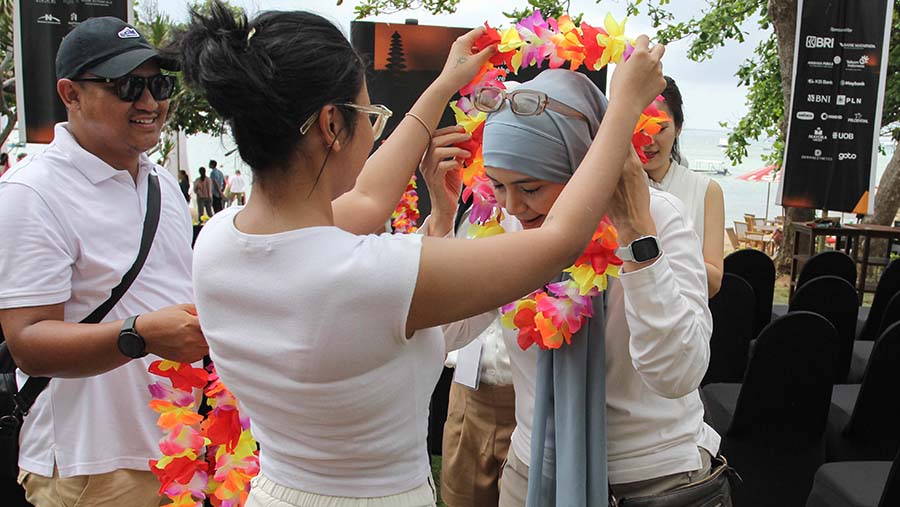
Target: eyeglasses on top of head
(378, 116)
(129, 87)
(490, 99)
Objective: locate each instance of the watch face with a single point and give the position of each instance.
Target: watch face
(645, 249)
(131, 344)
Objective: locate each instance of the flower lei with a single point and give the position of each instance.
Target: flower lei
(186, 473)
(548, 317)
(404, 218)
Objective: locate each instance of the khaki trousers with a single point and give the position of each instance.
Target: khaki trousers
(476, 440)
(131, 488)
(514, 487)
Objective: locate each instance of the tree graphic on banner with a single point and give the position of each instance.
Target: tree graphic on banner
(396, 60)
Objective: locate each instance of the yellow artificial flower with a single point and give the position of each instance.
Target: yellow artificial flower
(614, 43)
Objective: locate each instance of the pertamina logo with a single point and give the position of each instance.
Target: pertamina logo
(813, 42)
(128, 33)
(842, 136)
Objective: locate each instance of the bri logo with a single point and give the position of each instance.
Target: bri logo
(128, 33)
(813, 42)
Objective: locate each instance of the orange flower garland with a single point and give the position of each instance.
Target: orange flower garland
(186, 473)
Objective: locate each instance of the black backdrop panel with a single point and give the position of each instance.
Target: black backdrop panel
(835, 110)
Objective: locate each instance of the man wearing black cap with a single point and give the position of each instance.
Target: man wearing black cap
(80, 209)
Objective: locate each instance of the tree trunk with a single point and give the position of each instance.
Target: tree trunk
(783, 14)
(5, 110)
(887, 199)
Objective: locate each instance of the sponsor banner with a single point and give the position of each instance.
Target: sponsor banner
(40, 26)
(404, 59)
(840, 65)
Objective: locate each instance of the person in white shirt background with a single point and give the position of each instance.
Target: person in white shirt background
(658, 324)
(238, 188)
(703, 200)
(332, 348)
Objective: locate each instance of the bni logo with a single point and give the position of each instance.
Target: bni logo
(813, 42)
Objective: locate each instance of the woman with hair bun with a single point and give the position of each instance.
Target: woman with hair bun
(702, 197)
(333, 347)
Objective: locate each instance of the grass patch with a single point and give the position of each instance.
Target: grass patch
(436, 473)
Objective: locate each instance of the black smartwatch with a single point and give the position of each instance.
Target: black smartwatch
(643, 249)
(130, 343)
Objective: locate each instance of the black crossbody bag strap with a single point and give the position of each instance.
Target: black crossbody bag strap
(34, 385)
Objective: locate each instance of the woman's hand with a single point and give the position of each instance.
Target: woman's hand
(630, 205)
(639, 80)
(463, 63)
(440, 168)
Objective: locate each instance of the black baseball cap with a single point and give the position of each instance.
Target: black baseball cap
(107, 47)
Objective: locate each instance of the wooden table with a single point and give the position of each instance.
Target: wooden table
(868, 232)
(855, 239)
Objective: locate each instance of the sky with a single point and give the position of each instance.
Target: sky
(709, 89)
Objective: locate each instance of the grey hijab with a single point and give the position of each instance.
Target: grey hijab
(570, 399)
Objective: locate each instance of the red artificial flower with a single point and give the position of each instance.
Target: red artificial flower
(223, 427)
(183, 375)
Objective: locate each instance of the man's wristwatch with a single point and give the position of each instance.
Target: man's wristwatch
(130, 343)
(643, 249)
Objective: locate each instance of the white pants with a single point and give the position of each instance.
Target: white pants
(265, 493)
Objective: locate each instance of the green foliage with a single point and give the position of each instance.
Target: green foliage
(761, 74)
(722, 21)
(719, 23)
(188, 110)
(548, 8)
(368, 8)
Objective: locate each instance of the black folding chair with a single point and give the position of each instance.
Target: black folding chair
(733, 313)
(835, 299)
(888, 286)
(864, 421)
(857, 484)
(829, 262)
(758, 269)
(772, 424)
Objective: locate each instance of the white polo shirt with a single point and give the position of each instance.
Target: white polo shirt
(71, 227)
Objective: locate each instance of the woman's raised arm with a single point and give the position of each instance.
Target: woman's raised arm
(387, 172)
(461, 278)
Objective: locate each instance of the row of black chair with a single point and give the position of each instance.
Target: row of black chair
(786, 418)
(774, 398)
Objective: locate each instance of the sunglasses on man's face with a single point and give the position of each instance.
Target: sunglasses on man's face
(130, 87)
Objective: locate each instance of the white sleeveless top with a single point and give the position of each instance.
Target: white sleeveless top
(690, 187)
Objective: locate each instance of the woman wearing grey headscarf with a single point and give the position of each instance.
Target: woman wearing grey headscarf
(620, 405)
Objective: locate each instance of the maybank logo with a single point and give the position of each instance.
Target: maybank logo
(129, 33)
